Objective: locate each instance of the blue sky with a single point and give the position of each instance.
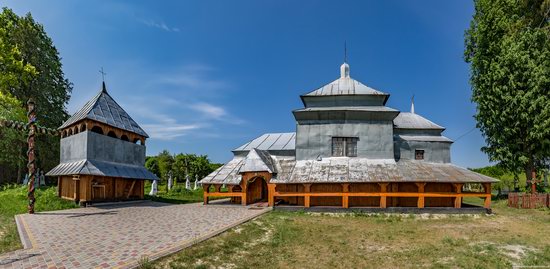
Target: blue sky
(207, 76)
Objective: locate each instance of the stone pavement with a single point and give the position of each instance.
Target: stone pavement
(118, 236)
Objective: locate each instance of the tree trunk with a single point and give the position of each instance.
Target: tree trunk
(18, 180)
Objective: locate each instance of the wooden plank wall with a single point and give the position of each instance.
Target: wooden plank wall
(115, 188)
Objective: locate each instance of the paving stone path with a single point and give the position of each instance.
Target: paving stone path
(118, 236)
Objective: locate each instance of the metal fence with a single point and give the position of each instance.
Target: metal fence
(528, 200)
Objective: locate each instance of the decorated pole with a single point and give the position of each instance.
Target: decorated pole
(31, 164)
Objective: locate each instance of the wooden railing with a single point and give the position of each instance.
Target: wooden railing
(528, 200)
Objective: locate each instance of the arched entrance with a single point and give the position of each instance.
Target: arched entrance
(256, 190)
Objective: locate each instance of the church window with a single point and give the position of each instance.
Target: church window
(419, 154)
(344, 146)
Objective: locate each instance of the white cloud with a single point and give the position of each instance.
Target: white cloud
(169, 131)
(209, 110)
(160, 25)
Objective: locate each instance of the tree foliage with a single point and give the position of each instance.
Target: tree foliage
(30, 66)
(508, 48)
(180, 165)
(11, 109)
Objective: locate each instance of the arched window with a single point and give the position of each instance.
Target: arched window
(70, 132)
(137, 141)
(64, 134)
(97, 129)
(75, 131)
(112, 134)
(125, 138)
(82, 127)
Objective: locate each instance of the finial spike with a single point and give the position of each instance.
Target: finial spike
(345, 52)
(412, 104)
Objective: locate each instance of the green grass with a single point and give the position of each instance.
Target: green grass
(355, 240)
(177, 195)
(13, 201)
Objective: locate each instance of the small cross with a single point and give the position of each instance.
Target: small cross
(102, 74)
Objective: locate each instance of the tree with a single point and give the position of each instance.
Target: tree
(30, 66)
(508, 48)
(151, 163)
(165, 161)
(10, 156)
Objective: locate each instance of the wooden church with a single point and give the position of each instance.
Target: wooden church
(102, 154)
(349, 150)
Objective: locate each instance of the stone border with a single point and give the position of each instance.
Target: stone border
(24, 233)
(187, 243)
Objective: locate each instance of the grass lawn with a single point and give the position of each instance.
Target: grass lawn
(177, 195)
(308, 240)
(13, 201)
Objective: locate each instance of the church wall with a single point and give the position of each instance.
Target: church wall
(90, 145)
(375, 139)
(342, 100)
(436, 152)
(104, 148)
(73, 148)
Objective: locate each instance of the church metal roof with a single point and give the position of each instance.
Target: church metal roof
(271, 141)
(258, 161)
(100, 168)
(351, 170)
(345, 86)
(407, 120)
(350, 108)
(103, 108)
(425, 138)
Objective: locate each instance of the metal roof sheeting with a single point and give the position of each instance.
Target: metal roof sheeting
(351, 170)
(350, 108)
(226, 174)
(103, 108)
(345, 86)
(425, 138)
(360, 170)
(99, 168)
(258, 161)
(271, 141)
(407, 120)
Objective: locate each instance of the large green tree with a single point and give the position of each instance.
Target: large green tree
(30, 67)
(508, 48)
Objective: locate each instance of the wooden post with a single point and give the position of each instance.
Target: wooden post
(76, 182)
(487, 187)
(394, 199)
(114, 188)
(307, 198)
(270, 194)
(383, 189)
(59, 187)
(420, 186)
(458, 198)
(206, 190)
(31, 163)
(244, 188)
(345, 197)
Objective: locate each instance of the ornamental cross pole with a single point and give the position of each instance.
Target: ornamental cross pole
(31, 164)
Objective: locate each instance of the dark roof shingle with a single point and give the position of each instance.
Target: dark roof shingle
(103, 108)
